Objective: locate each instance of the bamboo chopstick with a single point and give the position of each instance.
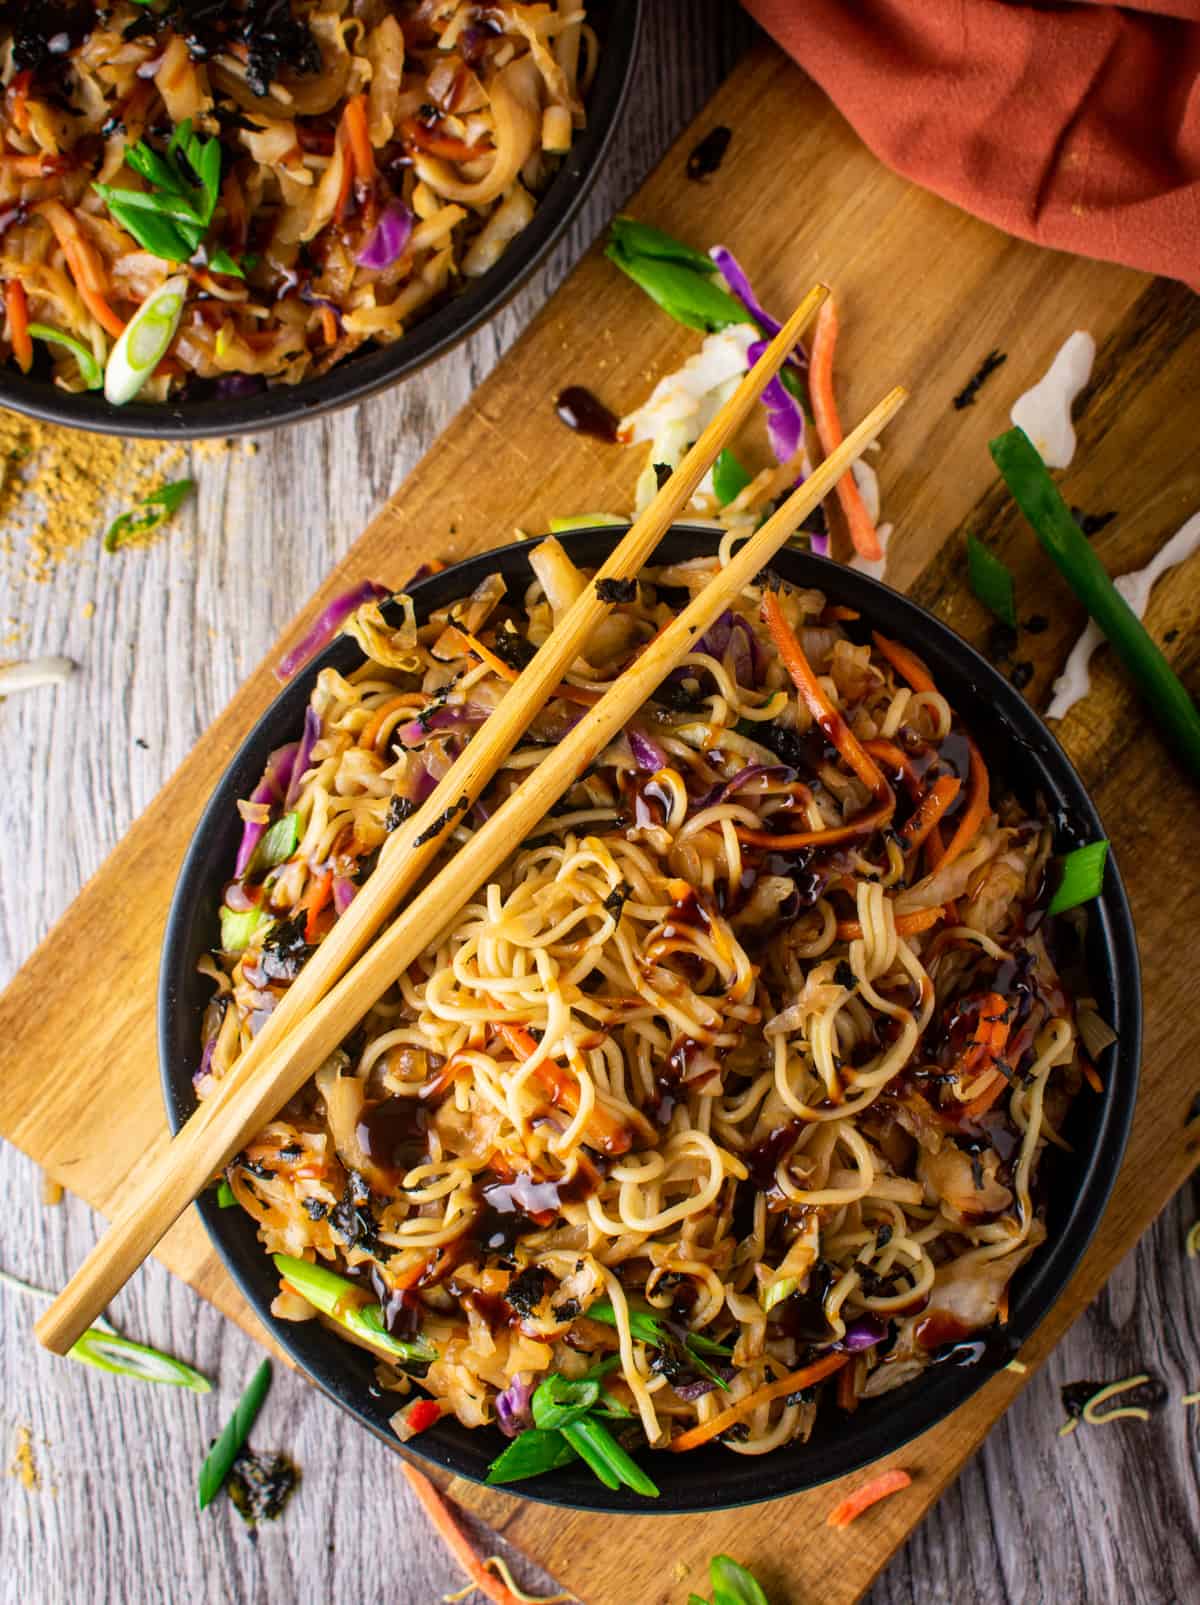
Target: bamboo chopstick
(200, 1149)
(409, 850)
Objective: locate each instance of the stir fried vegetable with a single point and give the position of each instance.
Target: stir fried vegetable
(218, 1463)
(992, 581)
(143, 342)
(151, 512)
(343, 1302)
(1082, 877)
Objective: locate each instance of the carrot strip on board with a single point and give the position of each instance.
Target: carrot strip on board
(921, 919)
(610, 1134)
(316, 901)
(406, 699)
(358, 138)
(779, 1389)
(455, 1540)
(906, 664)
(975, 812)
(929, 810)
(16, 308)
(84, 265)
(829, 432)
(817, 703)
(850, 1508)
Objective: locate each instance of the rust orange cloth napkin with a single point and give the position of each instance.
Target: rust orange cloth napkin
(1075, 125)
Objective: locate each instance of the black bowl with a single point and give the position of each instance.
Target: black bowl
(1076, 1187)
(617, 22)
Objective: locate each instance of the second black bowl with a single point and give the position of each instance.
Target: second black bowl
(1019, 749)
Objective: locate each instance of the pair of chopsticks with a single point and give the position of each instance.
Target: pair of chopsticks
(362, 955)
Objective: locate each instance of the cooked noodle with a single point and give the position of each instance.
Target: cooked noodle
(789, 1096)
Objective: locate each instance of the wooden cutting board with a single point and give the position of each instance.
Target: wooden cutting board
(925, 293)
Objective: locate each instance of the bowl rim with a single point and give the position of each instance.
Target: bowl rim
(713, 1480)
(364, 375)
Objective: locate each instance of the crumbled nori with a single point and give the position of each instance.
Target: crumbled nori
(285, 952)
(616, 590)
(706, 157)
(662, 472)
(784, 742)
(1091, 523)
(254, 1167)
(398, 810)
(966, 396)
(567, 1310)
(315, 1209)
(260, 1485)
(883, 1237)
(527, 1289)
(672, 694)
(352, 1219)
(616, 900)
(844, 975)
(512, 648)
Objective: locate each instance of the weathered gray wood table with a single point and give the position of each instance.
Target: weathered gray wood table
(1108, 1515)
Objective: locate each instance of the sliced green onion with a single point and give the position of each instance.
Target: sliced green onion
(1038, 497)
(560, 526)
(992, 581)
(531, 1455)
(730, 478)
(144, 343)
(775, 1292)
(225, 1196)
(149, 513)
(558, 1401)
(643, 239)
(649, 1328)
(107, 1351)
(89, 369)
(1082, 877)
(221, 262)
(218, 1462)
(276, 845)
(46, 1296)
(335, 1297)
(596, 1444)
(237, 928)
(733, 1584)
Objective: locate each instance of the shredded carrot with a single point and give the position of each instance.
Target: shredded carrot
(782, 842)
(829, 432)
(234, 201)
(929, 810)
(329, 328)
(18, 93)
(889, 752)
(975, 812)
(84, 265)
(609, 1133)
(358, 138)
(1090, 1074)
(486, 655)
(991, 1035)
(835, 612)
(455, 1541)
(17, 309)
(315, 901)
(921, 919)
(817, 703)
(779, 1389)
(906, 664)
(407, 699)
(421, 136)
(850, 1508)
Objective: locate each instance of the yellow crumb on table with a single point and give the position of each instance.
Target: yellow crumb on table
(24, 1466)
(88, 610)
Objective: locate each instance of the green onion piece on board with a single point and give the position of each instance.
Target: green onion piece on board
(144, 343)
(218, 1462)
(1039, 499)
(149, 513)
(337, 1298)
(89, 369)
(730, 478)
(107, 1351)
(992, 581)
(733, 1584)
(1082, 877)
(560, 526)
(643, 239)
(237, 928)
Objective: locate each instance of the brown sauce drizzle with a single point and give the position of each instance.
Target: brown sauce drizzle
(586, 414)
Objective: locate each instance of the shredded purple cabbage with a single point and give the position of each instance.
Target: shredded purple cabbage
(749, 660)
(390, 239)
(864, 1332)
(233, 386)
(312, 734)
(723, 791)
(703, 1385)
(328, 624)
(205, 1059)
(271, 789)
(444, 718)
(738, 281)
(514, 1407)
(785, 416)
(423, 784)
(647, 754)
(343, 893)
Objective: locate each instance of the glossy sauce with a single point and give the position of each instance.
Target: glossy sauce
(586, 414)
(392, 1135)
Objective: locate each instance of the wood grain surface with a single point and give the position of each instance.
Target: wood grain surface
(1109, 1515)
